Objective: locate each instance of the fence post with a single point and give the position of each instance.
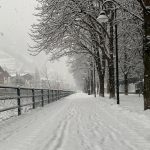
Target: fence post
(33, 98)
(56, 95)
(18, 101)
(42, 97)
(52, 97)
(48, 96)
(60, 94)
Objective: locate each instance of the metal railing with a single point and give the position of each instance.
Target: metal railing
(20, 97)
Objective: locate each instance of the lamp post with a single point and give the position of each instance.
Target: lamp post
(103, 18)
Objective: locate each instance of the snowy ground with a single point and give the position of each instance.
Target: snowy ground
(131, 102)
(80, 122)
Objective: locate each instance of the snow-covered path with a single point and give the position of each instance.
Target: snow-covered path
(79, 122)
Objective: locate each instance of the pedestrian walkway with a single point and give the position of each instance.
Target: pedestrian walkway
(77, 122)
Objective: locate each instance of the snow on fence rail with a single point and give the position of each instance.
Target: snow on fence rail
(18, 100)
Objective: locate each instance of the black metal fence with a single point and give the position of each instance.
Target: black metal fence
(19, 99)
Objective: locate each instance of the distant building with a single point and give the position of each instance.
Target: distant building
(28, 79)
(25, 80)
(134, 85)
(4, 76)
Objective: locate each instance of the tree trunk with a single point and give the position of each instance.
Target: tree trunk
(89, 83)
(108, 89)
(97, 88)
(146, 57)
(101, 78)
(125, 72)
(100, 63)
(126, 84)
(101, 74)
(92, 81)
(111, 80)
(111, 60)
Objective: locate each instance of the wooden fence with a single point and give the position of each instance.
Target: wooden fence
(34, 98)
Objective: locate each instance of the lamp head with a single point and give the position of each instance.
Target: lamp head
(102, 18)
(102, 12)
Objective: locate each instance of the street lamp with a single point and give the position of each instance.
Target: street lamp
(103, 18)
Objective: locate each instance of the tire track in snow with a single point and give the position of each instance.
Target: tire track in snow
(57, 140)
(80, 133)
(61, 132)
(83, 128)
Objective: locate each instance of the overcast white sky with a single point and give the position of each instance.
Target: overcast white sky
(16, 18)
